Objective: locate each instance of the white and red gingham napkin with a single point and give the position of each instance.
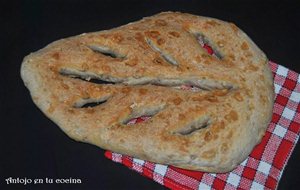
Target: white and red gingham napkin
(264, 166)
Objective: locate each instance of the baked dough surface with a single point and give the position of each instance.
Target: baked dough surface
(139, 69)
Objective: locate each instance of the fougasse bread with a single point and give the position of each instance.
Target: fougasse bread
(207, 112)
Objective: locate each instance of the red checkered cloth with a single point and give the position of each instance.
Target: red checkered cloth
(264, 166)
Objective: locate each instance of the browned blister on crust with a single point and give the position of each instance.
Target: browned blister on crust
(92, 84)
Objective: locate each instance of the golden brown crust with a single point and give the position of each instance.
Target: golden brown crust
(212, 128)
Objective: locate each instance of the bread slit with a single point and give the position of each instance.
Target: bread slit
(90, 102)
(143, 111)
(200, 83)
(201, 123)
(204, 41)
(168, 58)
(105, 51)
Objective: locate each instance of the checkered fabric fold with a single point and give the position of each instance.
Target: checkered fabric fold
(264, 166)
